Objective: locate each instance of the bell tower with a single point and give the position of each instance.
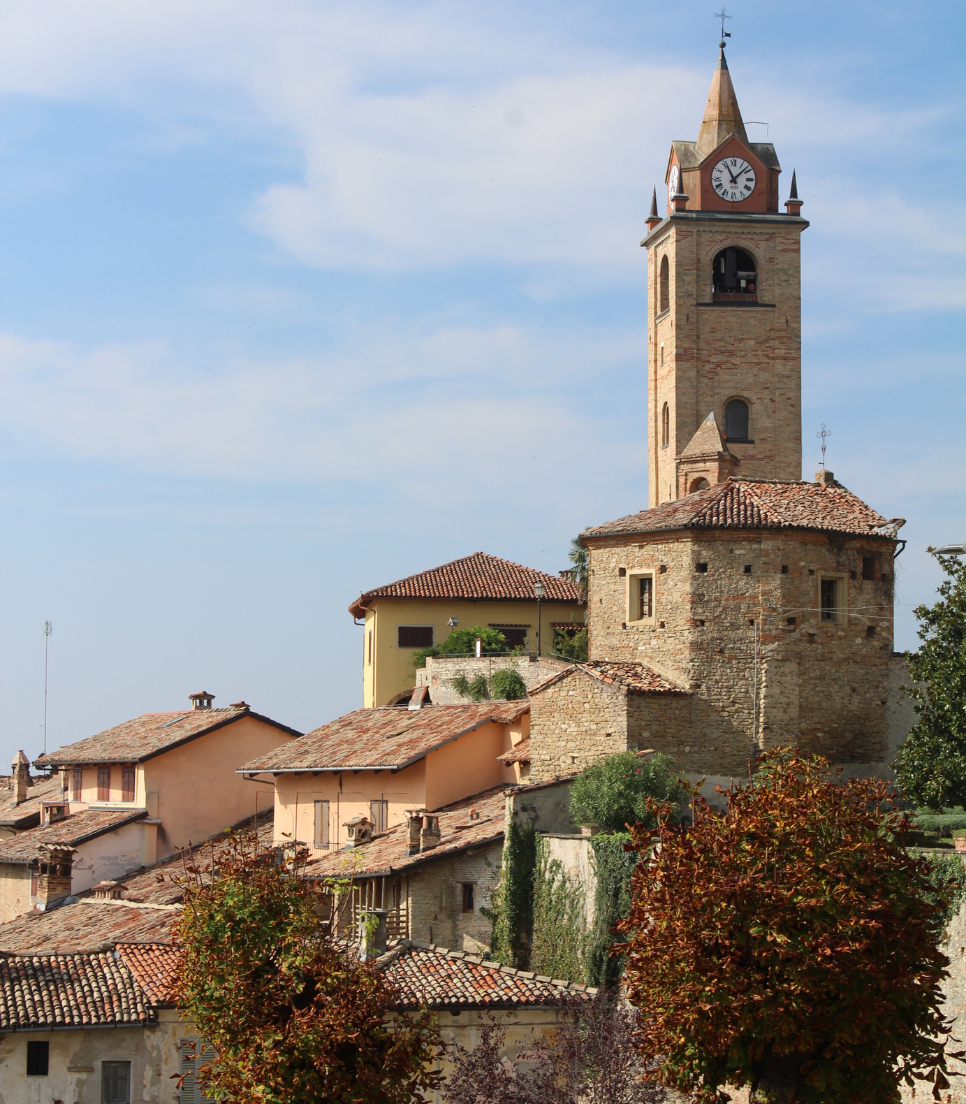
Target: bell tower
(724, 311)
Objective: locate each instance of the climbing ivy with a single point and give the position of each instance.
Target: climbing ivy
(560, 933)
(613, 867)
(511, 906)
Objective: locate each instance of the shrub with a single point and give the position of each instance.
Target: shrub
(463, 642)
(507, 684)
(571, 647)
(614, 792)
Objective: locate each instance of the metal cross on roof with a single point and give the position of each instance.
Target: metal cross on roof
(723, 15)
(822, 435)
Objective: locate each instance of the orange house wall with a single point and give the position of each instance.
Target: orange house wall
(199, 793)
(468, 765)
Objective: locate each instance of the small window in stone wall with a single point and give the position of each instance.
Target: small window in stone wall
(701, 568)
(829, 599)
(38, 1058)
(640, 597)
(868, 568)
(665, 426)
(468, 889)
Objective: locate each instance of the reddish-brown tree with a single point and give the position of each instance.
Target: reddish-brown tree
(789, 945)
(292, 1016)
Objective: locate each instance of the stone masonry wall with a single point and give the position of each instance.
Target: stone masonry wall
(701, 354)
(435, 899)
(439, 672)
(573, 723)
(823, 686)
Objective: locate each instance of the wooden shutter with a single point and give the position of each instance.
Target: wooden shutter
(128, 778)
(78, 794)
(321, 824)
(193, 1056)
(103, 783)
(378, 814)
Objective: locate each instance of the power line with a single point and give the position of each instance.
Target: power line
(48, 629)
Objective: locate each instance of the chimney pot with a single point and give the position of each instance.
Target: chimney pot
(825, 476)
(21, 778)
(54, 878)
(414, 820)
(201, 700)
(108, 891)
(429, 835)
(372, 933)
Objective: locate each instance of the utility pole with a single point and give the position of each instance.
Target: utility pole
(48, 629)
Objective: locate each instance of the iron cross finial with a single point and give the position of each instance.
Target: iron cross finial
(723, 15)
(823, 434)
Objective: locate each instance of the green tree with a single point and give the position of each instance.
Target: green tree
(571, 647)
(580, 558)
(615, 792)
(292, 1016)
(789, 945)
(463, 642)
(507, 684)
(931, 764)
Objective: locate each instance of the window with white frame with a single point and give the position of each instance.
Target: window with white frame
(640, 596)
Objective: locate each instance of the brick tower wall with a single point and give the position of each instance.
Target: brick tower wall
(713, 352)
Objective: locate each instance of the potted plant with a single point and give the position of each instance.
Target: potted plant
(959, 839)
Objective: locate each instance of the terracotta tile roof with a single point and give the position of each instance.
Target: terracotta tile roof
(519, 754)
(427, 976)
(27, 813)
(474, 577)
(88, 925)
(758, 504)
(71, 831)
(631, 678)
(155, 968)
(79, 990)
(387, 737)
(150, 735)
(387, 852)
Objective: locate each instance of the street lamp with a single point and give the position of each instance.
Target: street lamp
(950, 550)
(538, 590)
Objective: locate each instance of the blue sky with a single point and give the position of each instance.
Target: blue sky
(296, 299)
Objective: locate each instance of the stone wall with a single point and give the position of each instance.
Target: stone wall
(543, 806)
(576, 857)
(435, 898)
(439, 672)
(827, 687)
(574, 722)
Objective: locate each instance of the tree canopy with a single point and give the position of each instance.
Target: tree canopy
(614, 792)
(462, 642)
(290, 1014)
(931, 764)
(789, 945)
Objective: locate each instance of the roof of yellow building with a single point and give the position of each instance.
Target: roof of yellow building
(387, 738)
(152, 734)
(473, 578)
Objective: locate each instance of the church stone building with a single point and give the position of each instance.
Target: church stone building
(745, 607)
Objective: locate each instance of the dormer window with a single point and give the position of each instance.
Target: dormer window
(734, 278)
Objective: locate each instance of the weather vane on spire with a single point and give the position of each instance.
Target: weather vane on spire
(723, 15)
(822, 435)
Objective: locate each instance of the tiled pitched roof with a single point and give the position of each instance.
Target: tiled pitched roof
(427, 976)
(150, 735)
(155, 968)
(474, 577)
(631, 678)
(88, 925)
(387, 852)
(71, 831)
(43, 789)
(757, 504)
(79, 990)
(519, 754)
(387, 737)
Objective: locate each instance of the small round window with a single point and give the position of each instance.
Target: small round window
(734, 274)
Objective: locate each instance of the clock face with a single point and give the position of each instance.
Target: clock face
(733, 179)
(672, 184)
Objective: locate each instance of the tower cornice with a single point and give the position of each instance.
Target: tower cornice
(723, 218)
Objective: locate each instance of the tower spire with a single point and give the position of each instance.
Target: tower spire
(721, 114)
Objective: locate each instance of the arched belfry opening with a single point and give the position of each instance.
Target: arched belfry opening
(736, 420)
(734, 276)
(664, 291)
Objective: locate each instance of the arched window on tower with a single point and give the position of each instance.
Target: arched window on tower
(664, 294)
(736, 420)
(733, 277)
(665, 427)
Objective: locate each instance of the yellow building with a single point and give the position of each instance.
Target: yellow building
(422, 610)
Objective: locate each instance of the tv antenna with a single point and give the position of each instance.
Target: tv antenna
(823, 434)
(723, 15)
(48, 629)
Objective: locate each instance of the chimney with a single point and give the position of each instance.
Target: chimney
(429, 836)
(358, 830)
(52, 811)
(201, 700)
(108, 891)
(21, 778)
(826, 477)
(53, 881)
(414, 819)
(372, 933)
